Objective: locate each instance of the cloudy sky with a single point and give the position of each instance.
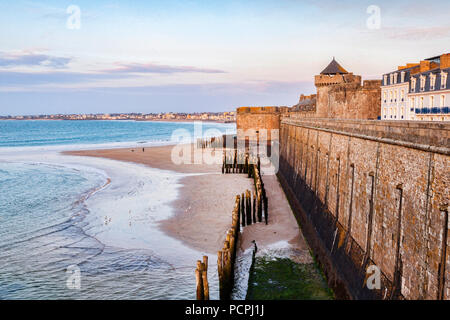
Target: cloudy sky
(187, 56)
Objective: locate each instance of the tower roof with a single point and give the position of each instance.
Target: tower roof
(334, 68)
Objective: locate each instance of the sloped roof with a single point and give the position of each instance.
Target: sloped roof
(334, 68)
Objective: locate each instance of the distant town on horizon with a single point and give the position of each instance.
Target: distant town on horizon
(167, 116)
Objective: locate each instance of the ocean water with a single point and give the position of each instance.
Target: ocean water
(87, 228)
(118, 133)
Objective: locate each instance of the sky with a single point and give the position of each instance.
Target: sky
(62, 57)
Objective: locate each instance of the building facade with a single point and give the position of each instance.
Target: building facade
(419, 91)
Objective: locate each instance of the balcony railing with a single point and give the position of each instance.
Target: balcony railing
(435, 110)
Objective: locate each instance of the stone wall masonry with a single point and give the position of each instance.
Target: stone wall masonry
(349, 100)
(372, 193)
(418, 134)
(252, 119)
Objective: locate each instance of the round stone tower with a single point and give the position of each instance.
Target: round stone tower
(333, 75)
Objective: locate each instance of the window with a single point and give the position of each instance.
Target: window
(443, 79)
(390, 95)
(432, 81)
(395, 95)
(395, 77)
(442, 101)
(413, 102)
(421, 102)
(422, 83)
(402, 94)
(403, 76)
(413, 84)
(391, 78)
(431, 101)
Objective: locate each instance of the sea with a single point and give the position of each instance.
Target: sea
(87, 228)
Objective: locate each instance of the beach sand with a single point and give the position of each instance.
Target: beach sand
(203, 210)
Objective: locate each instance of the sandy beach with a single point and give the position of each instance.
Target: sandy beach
(203, 209)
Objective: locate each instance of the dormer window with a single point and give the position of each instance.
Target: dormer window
(413, 84)
(392, 78)
(422, 83)
(444, 80)
(385, 79)
(432, 81)
(395, 77)
(402, 76)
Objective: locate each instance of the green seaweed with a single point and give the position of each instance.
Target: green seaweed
(283, 279)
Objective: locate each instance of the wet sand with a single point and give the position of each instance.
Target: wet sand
(203, 209)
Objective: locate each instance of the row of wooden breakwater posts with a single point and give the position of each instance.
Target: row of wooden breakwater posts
(216, 142)
(247, 210)
(243, 163)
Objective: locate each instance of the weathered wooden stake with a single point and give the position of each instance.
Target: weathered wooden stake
(243, 214)
(254, 207)
(266, 213)
(199, 280)
(248, 207)
(220, 273)
(259, 207)
(205, 278)
(238, 223)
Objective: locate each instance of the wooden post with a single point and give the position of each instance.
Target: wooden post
(259, 206)
(205, 278)
(199, 281)
(238, 204)
(235, 161)
(205, 263)
(220, 273)
(249, 208)
(205, 286)
(246, 164)
(223, 162)
(226, 270)
(254, 207)
(240, 163)
(266, 213)
(243, 209)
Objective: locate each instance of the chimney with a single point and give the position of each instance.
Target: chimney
(445, 61)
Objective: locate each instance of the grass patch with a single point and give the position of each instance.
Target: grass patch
(283, 279)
